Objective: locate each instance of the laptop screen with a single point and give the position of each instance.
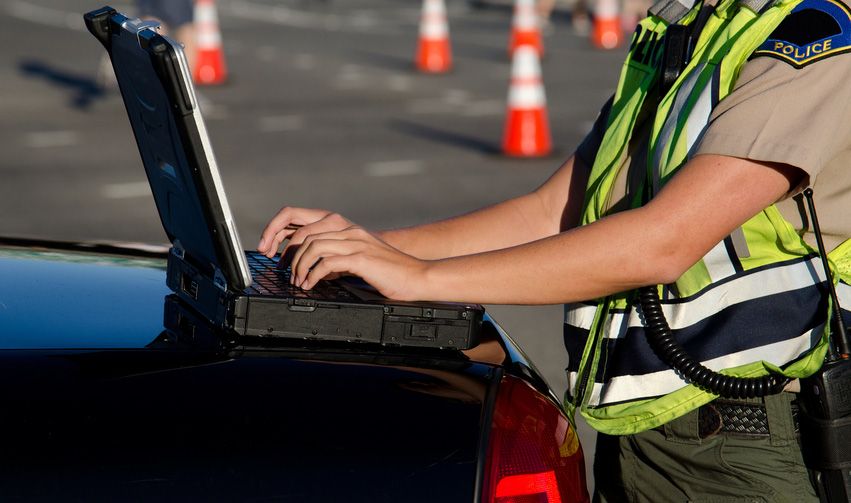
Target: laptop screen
(154, 81)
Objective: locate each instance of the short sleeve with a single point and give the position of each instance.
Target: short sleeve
(587, 150)
(779, 113)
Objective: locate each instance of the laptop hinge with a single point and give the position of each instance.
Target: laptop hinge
(138, 26)
(219, 279)
(200, 291)
(178, 250)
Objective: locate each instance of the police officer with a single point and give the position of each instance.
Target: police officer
(690, 180)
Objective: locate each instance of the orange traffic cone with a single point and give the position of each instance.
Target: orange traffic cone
(527, 130)
(210, 61)
(434, 54)
(525, 27)
(607, 33)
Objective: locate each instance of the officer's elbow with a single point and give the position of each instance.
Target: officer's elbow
(659, 269)
(670, 256)
(669, 271)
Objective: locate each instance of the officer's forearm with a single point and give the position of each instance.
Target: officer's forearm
(608, 256)
(654, 244)
(508, 223)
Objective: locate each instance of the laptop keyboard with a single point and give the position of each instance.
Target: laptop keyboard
(271, 280)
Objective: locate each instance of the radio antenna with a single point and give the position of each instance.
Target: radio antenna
(840, 336)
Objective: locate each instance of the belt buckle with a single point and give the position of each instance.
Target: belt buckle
(708, 421)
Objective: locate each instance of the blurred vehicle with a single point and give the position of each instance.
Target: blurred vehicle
(481, 4)
(484, 4)
(113, 390)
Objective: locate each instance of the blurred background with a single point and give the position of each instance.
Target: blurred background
(314, 103)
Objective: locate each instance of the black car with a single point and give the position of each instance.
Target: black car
(113, 390)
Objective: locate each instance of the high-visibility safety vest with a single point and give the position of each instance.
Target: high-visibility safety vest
(755, 303)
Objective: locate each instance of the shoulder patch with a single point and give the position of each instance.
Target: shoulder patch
(814, 30)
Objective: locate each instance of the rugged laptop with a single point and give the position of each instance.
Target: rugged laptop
(207, 267)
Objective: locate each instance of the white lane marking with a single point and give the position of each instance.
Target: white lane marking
(45, 16)
(267, 53)
(456, 96)
(484, 108)
(429, 107)
(51, 17)
(276, 124)
(399, 83)
(457, 102)
(351, 68)
(304, 61)
(351, 77)
(214, 111)
(51, 139)
(395, 168)
(126, 190)
(277, 14)
(274, 14)
(457, 105)
(364, 20)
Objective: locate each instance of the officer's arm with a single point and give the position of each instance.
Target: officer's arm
(703, 203)
(552, 207)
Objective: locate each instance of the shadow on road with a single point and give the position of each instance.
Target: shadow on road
(445, 137)
(386, 61)
(506, 7)
(83, 88)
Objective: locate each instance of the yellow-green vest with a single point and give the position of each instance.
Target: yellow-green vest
(755, 303)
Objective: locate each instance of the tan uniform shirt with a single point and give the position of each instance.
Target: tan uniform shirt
(776, 113)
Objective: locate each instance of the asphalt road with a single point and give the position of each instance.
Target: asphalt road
(323, 109)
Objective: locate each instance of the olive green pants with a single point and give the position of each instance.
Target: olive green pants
(673, 463)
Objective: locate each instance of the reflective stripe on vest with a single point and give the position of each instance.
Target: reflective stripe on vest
(755, 303)
(744, 328)
(696, 121)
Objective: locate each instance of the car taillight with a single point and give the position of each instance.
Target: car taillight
(533, 454)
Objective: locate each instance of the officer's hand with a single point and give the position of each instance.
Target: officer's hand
(296, 224)
(356, 251)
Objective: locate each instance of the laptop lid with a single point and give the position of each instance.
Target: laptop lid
(156, 86)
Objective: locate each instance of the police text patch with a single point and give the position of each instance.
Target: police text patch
(814, 30)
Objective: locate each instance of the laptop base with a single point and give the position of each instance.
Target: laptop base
(384, 321)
